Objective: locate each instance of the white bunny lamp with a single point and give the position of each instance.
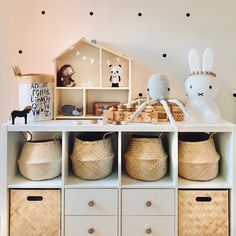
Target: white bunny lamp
(202, 87)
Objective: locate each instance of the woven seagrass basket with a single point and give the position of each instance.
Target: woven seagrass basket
(198, 158)
(145, 159)
(40, 160)
(203, 213)
(92, 160)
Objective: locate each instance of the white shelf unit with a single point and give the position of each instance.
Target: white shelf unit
(91, 64)
(118, 183)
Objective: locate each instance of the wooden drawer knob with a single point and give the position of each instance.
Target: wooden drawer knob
(91, 203)
(90, 230)
(148, 203)
(148, 231)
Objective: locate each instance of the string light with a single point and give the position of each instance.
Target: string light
(77, 53)
(84, 58)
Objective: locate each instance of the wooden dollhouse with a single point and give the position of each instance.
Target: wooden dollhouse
(91, 64)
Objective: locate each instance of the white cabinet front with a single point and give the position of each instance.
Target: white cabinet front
(148, 225)
(91, 201)
(148, 202)
(91, 225)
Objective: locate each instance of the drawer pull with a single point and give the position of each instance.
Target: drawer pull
(148, 203)
(90, 230)
(91, 203)
(148, 231)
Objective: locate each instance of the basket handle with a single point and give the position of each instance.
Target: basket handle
(212, 134)
(30, 134)
(203, 199)
(35, 198)
(105, 135)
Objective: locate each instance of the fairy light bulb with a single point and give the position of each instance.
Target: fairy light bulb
(84, 58)
(77, 53)
(118, 59)
(92, 61)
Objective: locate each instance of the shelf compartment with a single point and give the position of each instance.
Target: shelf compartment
(169, 140)
(224, 146)
(109, 58)
(117, 95)
(85, 60)
(16, 142)
(72, 181)
(68, 97)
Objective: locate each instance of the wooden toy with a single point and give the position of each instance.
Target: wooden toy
(64, 76)
(22, 113)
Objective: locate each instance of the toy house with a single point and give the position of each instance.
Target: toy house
(91, 78)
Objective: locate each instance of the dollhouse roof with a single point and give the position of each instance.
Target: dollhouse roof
(85, 41)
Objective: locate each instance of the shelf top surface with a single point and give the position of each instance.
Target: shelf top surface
(86, 125)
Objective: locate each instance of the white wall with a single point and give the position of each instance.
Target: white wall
(163, 28)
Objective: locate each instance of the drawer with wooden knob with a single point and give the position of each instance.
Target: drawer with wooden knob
(91, 201)
(91, 225)
(148, 202)
(148, 225)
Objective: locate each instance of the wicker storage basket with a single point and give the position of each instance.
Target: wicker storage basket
(203, 213)
(92, 160)
(40, 160)
(146, 159)
(198, 158)
(35, 212)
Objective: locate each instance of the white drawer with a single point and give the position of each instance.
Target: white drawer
(91, 201)
(148, 225)
(91, 225)
(148, 202)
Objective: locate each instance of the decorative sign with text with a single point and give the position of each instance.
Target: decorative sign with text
(40, 96)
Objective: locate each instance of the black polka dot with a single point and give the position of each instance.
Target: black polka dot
(168, 89)
(164, 55)
(190, 86)
(91, 13)
(43, 12)
(188, 14)
(210, 87)
(234, 94)
(148, 89)
(140, 94)
(140, 14)
(20, 51)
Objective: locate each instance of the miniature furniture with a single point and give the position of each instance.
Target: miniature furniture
(117, 205)
(91, 64)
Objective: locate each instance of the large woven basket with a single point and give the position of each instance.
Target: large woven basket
(35, 212)
(146, 159)
(203, 213)
(198, 158)
(40, 160)
(92, 160)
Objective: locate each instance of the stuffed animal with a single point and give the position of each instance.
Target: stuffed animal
(115, 75)
(202, 87)
(159, 91)
(64, 76)
(72, 110)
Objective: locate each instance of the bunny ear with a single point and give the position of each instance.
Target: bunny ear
(208, 59)
(194, 60)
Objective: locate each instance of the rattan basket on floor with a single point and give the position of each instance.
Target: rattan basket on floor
(198, 158)
(146, 159)
(35, 212)
(203, 213)
(40, 160)
(92, 160)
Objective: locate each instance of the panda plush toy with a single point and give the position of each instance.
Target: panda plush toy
(115, 75)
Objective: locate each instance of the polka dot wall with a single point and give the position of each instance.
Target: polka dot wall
(156, 34)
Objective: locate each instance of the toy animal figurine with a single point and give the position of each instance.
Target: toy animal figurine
(159, 90)
(202, 87)
(115, 75)
(64, 76)
(22, 113)
(71, 110)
